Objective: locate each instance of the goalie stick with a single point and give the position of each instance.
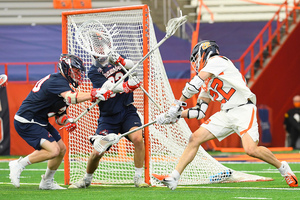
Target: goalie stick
(97, 40)
(172, 26)
(101, 143)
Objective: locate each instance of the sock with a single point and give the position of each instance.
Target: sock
(175, 174)
(49, 174)
(282, 169)
(25, 161)
(139, 171)
(89, 176)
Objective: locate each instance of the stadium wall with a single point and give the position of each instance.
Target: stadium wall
(279, 82)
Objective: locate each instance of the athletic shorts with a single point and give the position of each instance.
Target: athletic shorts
(238, 120)
(33, 133)
(121, 122)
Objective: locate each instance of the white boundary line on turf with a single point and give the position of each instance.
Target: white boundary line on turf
(245, 188)
(183, 187)
(7, 169)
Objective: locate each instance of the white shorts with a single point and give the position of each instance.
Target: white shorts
(238, 120)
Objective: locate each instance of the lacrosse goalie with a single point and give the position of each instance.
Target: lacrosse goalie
(117, 115)
(219, 80)
(49, 97)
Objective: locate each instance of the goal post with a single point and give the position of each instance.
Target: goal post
(164, 144)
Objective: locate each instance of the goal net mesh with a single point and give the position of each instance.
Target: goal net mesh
(166, 143)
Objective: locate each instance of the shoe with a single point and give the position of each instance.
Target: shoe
(168, 181)
(139, 182)
(289, 176)
(82, 183)
(15, 172)
(49, 184)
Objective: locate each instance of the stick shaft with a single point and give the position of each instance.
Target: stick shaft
(137, 129)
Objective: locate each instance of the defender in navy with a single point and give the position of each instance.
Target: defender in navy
(50, 97)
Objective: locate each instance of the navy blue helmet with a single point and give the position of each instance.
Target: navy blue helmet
(73, 68)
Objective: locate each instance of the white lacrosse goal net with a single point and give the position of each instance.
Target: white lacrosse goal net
(164, 144)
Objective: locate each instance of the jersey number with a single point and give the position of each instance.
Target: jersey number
(217, 85)
(37, 86)
(114, 79)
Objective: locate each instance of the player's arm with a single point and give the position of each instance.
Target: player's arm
(78, 97)
(198, 111)
(193, 87)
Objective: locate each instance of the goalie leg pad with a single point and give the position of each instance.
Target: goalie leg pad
(71, 97)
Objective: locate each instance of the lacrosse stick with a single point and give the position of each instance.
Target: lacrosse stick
(101, 143)
(3, 79)
(97, 40)
(172, 26)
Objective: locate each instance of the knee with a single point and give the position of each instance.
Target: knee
(55, 151)
(137, 139)
(63, 150)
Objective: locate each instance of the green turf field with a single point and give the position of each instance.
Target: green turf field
(31, 176)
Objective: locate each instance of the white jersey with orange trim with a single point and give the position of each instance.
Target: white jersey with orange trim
(227, 85)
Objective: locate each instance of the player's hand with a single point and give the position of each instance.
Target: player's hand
(71, 125)
(115, 58)
(176, 109)
(132, 84)
(165, 119)
(103, 94)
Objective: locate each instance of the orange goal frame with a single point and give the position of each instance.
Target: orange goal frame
(146, 33)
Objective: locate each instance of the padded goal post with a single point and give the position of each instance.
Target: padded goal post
(164, 144)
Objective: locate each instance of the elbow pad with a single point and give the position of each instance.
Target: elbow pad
(192, 87)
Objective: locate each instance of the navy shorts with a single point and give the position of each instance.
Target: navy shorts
(121, 122)
(33, 133)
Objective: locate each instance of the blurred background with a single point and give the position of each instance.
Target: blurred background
(261, 38)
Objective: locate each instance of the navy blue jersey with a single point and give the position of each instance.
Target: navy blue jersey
(42, 98)
(98, 76)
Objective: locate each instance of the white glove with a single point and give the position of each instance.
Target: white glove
(192, 87)
(115, 58)
(176, 109)
(164, 119)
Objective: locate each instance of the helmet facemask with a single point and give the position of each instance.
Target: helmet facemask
(202, 52)
(72, 68)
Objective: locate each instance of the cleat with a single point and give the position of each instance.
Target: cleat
(15, 172)
(289, 176)
(168, 181)
(82, 183)
(291, 179)
(49, 185)
(139, 182)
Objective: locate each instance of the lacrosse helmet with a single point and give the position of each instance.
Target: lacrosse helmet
(202, 52)
(72, 68)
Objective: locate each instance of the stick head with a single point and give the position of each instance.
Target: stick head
(95, 38)
(174, 24)
(101, 143)
(3, 80)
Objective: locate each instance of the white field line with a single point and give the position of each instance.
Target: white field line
(183, 187)
(7, 169)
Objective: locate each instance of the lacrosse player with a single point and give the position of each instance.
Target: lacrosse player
(219, 80)
(117, 115)
(50, 97)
